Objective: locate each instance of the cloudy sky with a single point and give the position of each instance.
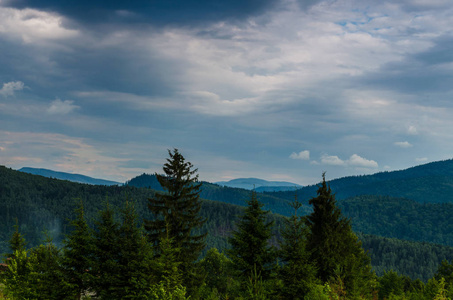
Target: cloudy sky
(274, 89)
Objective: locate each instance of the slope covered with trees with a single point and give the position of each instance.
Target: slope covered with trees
(236, 196)
(429, 183)
(401, 218)
(41, 204)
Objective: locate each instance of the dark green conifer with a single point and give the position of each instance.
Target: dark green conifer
(176, 213)
(134, 257)
(48, 277)
(78, 254)
(106, 267)
(17, 241)
(334, 248)
(297, 273)
(250, 250)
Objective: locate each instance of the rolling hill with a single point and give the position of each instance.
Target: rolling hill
(41, 203)
(68, 176)
(429, 183)
(259, 185)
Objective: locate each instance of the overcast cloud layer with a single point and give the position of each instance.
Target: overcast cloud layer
(277, 89)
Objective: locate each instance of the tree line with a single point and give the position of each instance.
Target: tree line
(316, 256)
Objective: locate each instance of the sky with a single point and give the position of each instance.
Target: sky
(281, 90)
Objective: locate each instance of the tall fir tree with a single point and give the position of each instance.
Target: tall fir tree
(17, 241)
(176, 213)
(250, 250)
(334, 248)
(297, 273)
(106, 267)
(134, 257)
(78, 254)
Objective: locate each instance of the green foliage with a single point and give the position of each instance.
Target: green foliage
(250, 250)
(166, 267)
(298, 273)
(334, 248)
(176, 213)
(219, 273)
(78, 254)
(321, 292)
(36, 274)
(17, 241)
(224, 194)
(106, 267)
(18, 279)
(413, 259)
(256, 287)
(429, 183)
(162, 292)
(400, 218)
(134, 256)
(391, 283)
(49, 276)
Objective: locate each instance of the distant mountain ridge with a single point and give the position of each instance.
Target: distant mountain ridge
(260, 185)
(39, 203)
(428, 183)
(215, 192)
(68, 176)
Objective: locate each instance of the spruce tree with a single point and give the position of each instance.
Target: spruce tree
(176, 213)
(48, 277)
(250, 250)
(334, 248)
(134, 257)
(106, 267)
(78, 254)
(17, 241)
(297, 273)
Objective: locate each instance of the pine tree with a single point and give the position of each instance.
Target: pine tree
(78, 253)
(334, 248)
(135, 255)
(106, 267)
(48, 276)
(176, 212)
(17, 241)
(250, 250)
(298, 273)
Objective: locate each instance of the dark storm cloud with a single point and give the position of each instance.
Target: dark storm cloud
(422, 72)
(440, 53)
(178, 12)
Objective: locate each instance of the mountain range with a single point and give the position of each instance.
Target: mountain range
(67, 176)
(259, 185)
(394, 213)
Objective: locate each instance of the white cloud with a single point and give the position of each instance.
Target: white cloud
(9, 88)
(412, 130)
(304, 155)
(358, 161)
(405, 144)
(354, 161)
(332, 160)
(421, 159)
(59, 107)
(33, 25)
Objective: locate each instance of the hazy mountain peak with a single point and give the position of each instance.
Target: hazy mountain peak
(263, 185)
(67, 176)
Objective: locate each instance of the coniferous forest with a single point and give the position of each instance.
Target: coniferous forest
(74, 241)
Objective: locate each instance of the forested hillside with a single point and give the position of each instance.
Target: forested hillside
(414, 259)
(229, 195)
(429, 183)
(68, 176)
(401, 218)
(41, 203)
